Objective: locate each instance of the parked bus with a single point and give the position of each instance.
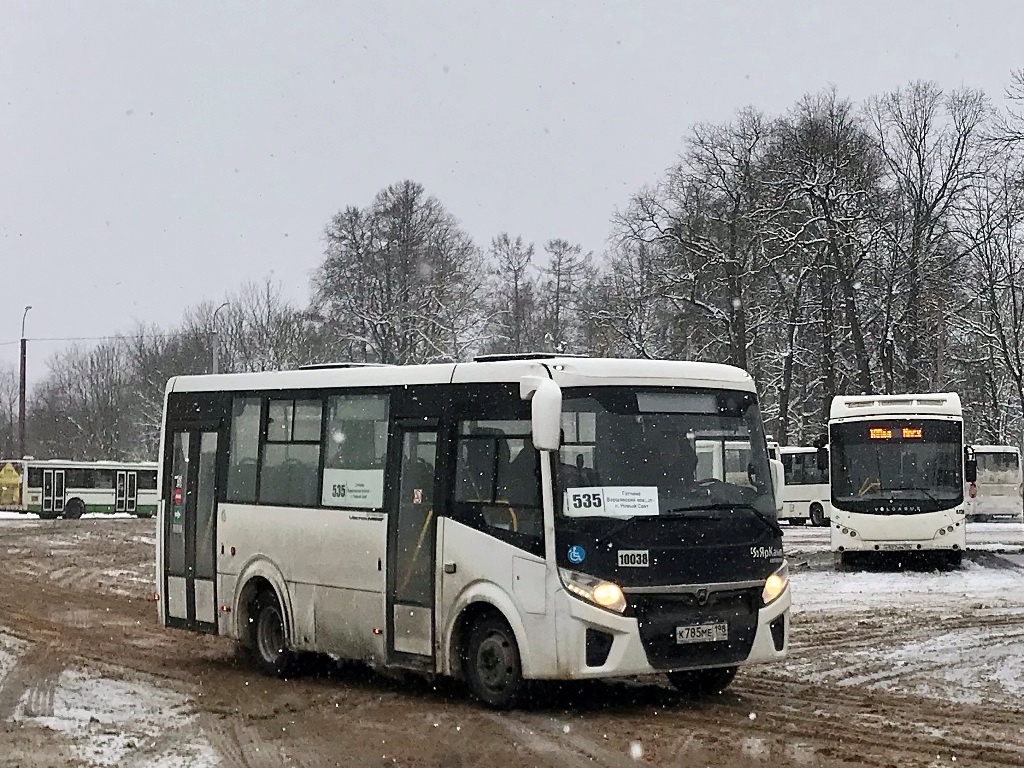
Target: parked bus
(61, 488)
(517, 517)
(898, 468)
(807, 495)
(999, 487)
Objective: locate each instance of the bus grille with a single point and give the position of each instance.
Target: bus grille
(659, 615)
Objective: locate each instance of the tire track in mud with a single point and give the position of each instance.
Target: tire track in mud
(561, 744)
(920, 726)
(239, 744)
(33, 682)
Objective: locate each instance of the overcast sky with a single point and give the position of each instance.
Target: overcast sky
(153, 155)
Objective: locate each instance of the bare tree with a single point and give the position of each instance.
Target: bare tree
(934, 154)
(394, 278)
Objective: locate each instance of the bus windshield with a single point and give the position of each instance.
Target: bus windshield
(897, 460)
(669, 452)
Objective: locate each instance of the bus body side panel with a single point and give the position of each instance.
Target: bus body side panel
(482, 563)
(335, 579)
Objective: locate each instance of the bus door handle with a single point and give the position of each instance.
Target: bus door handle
(449, 568)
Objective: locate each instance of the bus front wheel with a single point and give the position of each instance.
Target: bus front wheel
(74, 509)
(702, 682)
(817, 515)
(269, 639)
(491, 663)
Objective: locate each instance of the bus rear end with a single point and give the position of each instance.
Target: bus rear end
(997, 490)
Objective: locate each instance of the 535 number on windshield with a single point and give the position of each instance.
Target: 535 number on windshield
(586, 499)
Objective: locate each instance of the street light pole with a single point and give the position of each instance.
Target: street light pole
(214, 340)
(21, 388)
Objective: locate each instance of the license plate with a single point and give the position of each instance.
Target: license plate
(893, 547)
(702, 633)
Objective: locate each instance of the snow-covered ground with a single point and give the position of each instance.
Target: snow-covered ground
(100, 719)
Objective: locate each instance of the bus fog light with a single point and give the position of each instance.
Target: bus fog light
(606, 594)
(775, 584)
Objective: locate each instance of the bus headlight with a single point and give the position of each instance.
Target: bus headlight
(775, 584)
(606, 594)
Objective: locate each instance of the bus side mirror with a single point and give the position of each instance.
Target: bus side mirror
(971, 470)
(778, 482)
(545, 409)
(822, 458)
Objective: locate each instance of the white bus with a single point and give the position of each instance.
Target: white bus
(898, 468)
(404, 516)
(55, 488)
(807, 495)
(999, 487)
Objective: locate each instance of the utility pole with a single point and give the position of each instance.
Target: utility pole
(215, 340)
(21, 388)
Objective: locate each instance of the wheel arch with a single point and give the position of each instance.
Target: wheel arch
(256, 577)
(476, 601)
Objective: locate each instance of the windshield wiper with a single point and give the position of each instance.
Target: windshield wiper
(771, 522)
(927, 493)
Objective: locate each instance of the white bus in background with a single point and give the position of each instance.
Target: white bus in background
(517, 517)
(998, 489)
(807, 495)
(53, 488)
(897, 475)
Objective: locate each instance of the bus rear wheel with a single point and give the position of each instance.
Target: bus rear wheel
(269, 637)
(702, 682)
(491, 663)
(817, 515)
(74, 509)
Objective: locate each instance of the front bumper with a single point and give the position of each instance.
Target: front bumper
(595, 643)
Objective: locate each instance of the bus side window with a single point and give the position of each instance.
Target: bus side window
(497, 483)
(243, 449)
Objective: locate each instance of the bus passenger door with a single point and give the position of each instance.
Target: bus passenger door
(412, 549)
(189, 520)
(131, 501)
(121, 492)
(127, 495)
(53, 491)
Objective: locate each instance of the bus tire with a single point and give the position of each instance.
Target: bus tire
(954, 559)
(697, 683)
(817, 515)
(269, 637)
(491, 663)
(74, 509)
(48, 515)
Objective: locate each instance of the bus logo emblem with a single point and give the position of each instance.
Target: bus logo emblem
(702, 596)
(577, 554)
(417, 495)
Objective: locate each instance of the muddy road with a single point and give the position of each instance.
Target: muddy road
(926, 678)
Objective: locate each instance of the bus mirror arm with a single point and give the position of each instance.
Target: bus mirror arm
(546, 410)
(778, 483)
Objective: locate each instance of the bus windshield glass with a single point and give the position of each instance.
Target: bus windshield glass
(668, 452)
(897, 460)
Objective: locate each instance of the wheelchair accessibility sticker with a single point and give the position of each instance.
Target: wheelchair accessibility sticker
(577, 554)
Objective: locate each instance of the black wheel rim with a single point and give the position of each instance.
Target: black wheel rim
(496, 663)
(270, 634)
